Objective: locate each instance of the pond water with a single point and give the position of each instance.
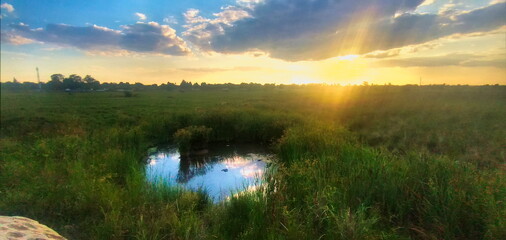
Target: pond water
(224, 170)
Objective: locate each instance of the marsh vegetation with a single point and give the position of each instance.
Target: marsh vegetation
(370, 162)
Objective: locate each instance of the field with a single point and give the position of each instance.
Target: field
(368, 162)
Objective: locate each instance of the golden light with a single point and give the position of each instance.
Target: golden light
(350, 57)
(304, 80)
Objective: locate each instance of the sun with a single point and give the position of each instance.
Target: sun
(304, 80)
(348, 57)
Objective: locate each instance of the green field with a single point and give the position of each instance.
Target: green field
(369, 162)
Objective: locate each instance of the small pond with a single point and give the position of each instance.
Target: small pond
(223, 170)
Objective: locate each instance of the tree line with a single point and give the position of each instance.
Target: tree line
(76, 83)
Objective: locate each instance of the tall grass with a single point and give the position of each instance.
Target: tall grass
(423, 196)
(346, 168)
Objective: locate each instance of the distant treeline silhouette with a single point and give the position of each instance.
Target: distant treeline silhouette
(76, 83)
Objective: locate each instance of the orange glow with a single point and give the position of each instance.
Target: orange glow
(222, 68)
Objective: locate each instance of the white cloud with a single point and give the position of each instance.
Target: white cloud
(170, 20)
(248, 3)
(141, 16)
(200, 30)
(427, 2)
(230, 14)
(8, 7)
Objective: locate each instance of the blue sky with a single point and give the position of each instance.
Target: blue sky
(281, 41)
(106, 13)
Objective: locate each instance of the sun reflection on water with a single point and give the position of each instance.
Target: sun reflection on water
(220, 173)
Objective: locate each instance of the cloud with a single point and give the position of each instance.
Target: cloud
(212, 70)
(8, 7)
(200, 30)
(449, 8)
(141, 16)
(295, 29)
(498, 63)
(313, 30)
(248, 3)
(402, 50)
(170, 20)
(152, 37)
(455, 59)
(9, 38)
(89, 37)
(427, 2)
(384, 54)
(139, 37)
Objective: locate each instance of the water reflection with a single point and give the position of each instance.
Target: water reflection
(222, 171)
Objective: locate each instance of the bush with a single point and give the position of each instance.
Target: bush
(192, 138)
(128, 93)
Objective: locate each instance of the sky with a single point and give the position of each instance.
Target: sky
(263, 41)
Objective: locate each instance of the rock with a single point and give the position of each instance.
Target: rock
(24, 228)
(224, 170)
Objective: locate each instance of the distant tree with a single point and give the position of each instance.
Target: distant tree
(91, 83)
(89, 79)
(57, 77)
(139, 86)
(184, 85)
(270, 85)
(76, 78)
(124, 86)
(73, 82)
(12, 86)
(68, 83)
(30, 86)
(170, 86)
(106, 85)
(56, 82)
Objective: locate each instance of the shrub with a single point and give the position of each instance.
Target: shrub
(128, 93)
(192, 138)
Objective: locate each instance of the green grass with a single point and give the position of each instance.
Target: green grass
(353, 163)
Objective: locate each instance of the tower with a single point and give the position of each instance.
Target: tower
(38, 77)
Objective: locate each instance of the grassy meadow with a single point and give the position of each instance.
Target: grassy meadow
(368, 162)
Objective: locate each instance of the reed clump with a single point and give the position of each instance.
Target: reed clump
(192, 139)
